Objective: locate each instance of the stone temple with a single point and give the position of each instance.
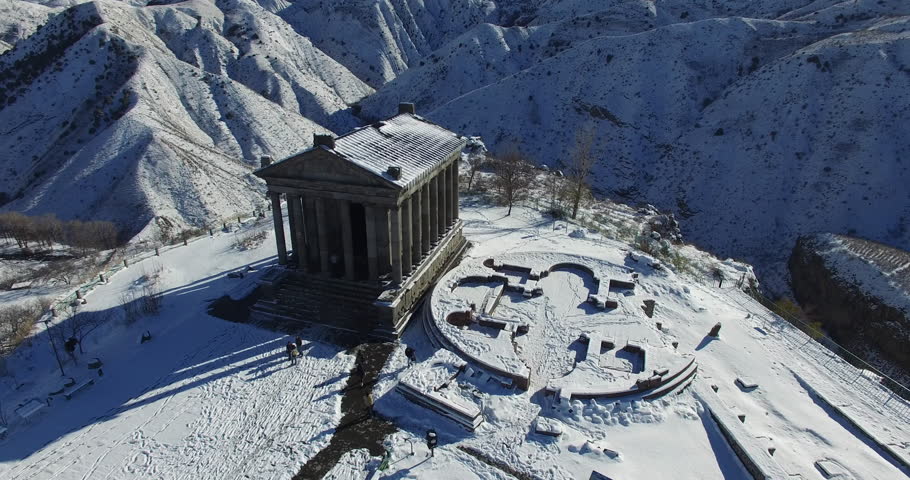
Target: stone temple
(373, 217)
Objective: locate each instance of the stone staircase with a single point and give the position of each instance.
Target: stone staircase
(340, 304)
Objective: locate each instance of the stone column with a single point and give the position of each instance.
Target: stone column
(382, 236)
(434, 209)
(454, 168)
(395, 229)
(417, 227)
(275, 197)
(407, 239)
(444, 200)
(299, 231)
(309, 224)
(347, 238)
(292, 223)
(321, 233)
(426, 238)
(369, 212)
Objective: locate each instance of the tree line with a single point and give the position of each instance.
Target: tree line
(47, 230)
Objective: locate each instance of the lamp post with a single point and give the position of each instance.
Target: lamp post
(432, 440)
(50, 339)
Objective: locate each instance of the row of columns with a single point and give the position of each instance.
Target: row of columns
(422, 219)
(397, 238)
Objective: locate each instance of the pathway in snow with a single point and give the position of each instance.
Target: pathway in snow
(358, 428)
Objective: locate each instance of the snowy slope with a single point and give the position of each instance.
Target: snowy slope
(163, 115)
(18, 20)
(204, 399)
(711, 118)
(379, 39)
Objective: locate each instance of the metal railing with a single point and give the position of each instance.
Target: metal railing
(855, 373)
(135, 253)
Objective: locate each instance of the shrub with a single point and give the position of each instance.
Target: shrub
(17, 321)
(250, 240)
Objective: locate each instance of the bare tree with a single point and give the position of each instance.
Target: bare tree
(48, 229)
(145, 301)
(513, 177)
(80, 325)
(94, 235)
(476, 158)
(554, 186)
(66, 271)
(580, 168)
(18, 227)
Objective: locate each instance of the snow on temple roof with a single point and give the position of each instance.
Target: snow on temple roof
(405, 140)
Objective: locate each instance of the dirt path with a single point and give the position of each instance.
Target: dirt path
(358, 428)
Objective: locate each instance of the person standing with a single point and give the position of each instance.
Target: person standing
(299, 342)
(292, 349)
(294, 354)
(411, 354)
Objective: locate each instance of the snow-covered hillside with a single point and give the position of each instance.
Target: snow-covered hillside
(755, 130)
(18, 20)
(148, 114)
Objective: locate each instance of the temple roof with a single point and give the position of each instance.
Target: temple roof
(406, 140)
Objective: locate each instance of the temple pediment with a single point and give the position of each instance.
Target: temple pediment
(321, 165)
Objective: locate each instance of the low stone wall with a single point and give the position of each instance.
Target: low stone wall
(755, 458)
(396, 313)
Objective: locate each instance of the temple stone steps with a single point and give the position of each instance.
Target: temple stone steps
(320, 300)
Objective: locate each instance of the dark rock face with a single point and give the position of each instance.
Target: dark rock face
(843, 296)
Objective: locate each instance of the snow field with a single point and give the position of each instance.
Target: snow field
(205, 398)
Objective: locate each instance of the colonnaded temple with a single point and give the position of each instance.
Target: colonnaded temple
(373, 217)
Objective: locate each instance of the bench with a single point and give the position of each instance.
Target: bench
(548, 426)
(746, 383)
(30, 408)
(78, 387)
(464, 414)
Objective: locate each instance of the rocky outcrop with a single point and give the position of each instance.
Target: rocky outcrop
(860, 290)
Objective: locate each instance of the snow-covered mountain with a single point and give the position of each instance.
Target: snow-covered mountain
(18, 20)
(755, 121)
(754, 130)
(157, 114)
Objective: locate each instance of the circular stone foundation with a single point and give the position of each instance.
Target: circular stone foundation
(573, 326)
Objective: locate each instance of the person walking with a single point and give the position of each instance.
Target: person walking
(359, 371)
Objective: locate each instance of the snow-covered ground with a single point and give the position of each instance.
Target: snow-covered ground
(672, 437)
(206, 398)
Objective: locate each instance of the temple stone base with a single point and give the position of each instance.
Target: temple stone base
(291, 297)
